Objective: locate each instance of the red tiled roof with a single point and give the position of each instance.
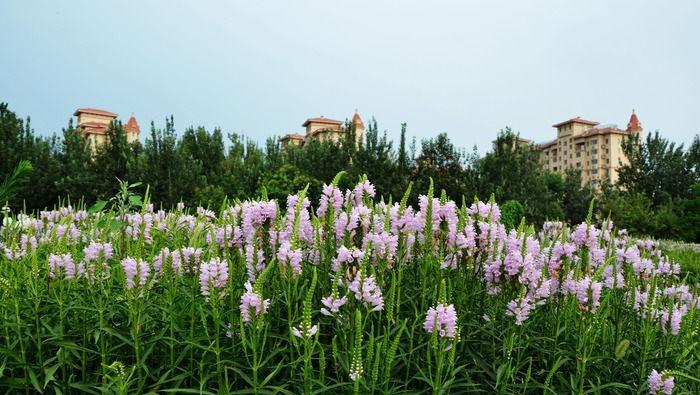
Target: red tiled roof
(634, 123)
(321, 120)
(93, 127)
(132, 125)
(547, 144)
(575, 120)
(357, 119)
(600, 131)
(292, 136)
(95, 111)
(326, 130)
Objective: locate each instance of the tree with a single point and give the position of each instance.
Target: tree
(512, 172)
(446, 165)
(656, 168)
(77, 178)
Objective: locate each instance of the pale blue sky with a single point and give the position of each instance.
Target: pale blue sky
(262, 68)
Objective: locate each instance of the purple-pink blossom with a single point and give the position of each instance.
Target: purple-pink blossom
(135, 272)
(441, 319)
(660, 383)
(367, 291)
(252, 304)
(213, 277)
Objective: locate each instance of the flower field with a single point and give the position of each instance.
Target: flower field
(350, 294)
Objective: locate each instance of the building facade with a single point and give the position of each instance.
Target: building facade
(324, 129)
(93, 124)
(587, 146)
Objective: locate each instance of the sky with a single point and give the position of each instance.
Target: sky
(467, 68)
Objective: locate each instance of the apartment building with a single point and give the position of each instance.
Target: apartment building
(594, 149)
(324, 129)
(93, 124)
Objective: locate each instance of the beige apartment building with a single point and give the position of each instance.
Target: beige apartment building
(594, 149)
(93, 124)
(324, 129)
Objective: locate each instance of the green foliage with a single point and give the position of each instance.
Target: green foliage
(96, 334)
(14, 181)
(655, 195)
(511, 213)
(287, 180)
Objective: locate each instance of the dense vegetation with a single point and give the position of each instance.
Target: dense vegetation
(348, 295)
(658, 194)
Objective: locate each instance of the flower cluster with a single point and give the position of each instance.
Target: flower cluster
(367, 291)
(660, 383)
(252, 304)
(135, 272)
(441, 319)
(213, 277)
(63, 266)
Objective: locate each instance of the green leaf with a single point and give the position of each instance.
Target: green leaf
(48, 374)
(34, 380)
(97, 207)
(135, 200)
(621, 348)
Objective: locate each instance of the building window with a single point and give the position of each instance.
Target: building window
(594, 171)
(594, 152)
(578, 164)
(594, 162)
(578, 154)
(594, 141)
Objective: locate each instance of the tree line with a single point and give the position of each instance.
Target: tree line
(658, 193)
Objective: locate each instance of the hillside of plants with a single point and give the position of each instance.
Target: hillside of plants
(348, 295)
(190, 265)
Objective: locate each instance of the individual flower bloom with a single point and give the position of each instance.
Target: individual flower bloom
(613, 277)
(586, 235)
(331, 196)
(441, 319)
(485, 211)
(180, 206)
(254, 216)
(384, 246)
(520, 309)
(213, 275)
(367, 291)
(676, 318)
(305, 228)
(346, 256)
(135, 272)
(332, 304)
(63, 266)
(340, 226)
(359, 192)
(660, 383)
(98, 251)
(252, 304)
(255, 261)
(167, 260)
(206, 213)
(290, 258)
(190, 258)
(301, 332)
